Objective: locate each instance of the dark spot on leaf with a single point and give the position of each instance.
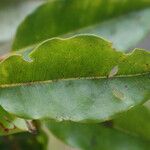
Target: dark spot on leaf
(68, 84)
(108, 124)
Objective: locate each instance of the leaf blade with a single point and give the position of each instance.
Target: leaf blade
(91, 59)
(55, 23)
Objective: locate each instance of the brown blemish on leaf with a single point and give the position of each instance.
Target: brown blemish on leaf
(7, 129)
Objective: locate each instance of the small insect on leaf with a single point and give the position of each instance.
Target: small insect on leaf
(118, 94)
(113, 72)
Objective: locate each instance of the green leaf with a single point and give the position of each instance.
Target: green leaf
(52, 19)
(10, 124)
(135, 121)
(80, 79)
(130, 131)
(24, 141)
(121, 31)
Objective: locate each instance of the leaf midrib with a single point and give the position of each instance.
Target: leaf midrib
(68, 79)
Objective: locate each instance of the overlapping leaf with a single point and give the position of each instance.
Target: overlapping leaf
(129, 131)
(121, 31)
(135, 121)
(80, 79)
(61, 17)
